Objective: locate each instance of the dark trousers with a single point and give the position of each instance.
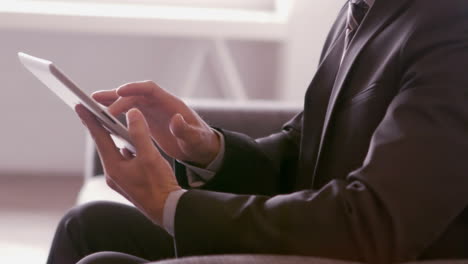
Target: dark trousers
(109, 227)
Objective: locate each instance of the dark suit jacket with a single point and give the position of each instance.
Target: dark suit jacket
(374, 169)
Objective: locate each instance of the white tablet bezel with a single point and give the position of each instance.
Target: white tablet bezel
(68, 91)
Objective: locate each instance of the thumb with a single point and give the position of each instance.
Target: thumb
(182, 130)
(139, 133)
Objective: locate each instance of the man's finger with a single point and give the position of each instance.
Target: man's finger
(140, 134)
(105, 97)
(145, 88)
(104, 143)
(106, 103)
(184, 131)
(122, 105)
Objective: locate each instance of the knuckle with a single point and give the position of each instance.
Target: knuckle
(150, 83)
(122, 87)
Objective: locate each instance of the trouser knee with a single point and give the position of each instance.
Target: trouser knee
(111, 258)
(82, 214)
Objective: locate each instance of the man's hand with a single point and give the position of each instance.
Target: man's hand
(145, 179)
(177, 129)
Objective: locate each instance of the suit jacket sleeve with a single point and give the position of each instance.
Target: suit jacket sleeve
(262, 166)
(411, 186)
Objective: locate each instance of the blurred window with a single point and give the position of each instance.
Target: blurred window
(261, 5)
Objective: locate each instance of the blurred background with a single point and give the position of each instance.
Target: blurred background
(239, 51)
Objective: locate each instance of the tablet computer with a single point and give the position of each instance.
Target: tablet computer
(69, 92)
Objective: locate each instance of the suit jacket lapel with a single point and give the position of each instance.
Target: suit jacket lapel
(378, 17)
(315, 107)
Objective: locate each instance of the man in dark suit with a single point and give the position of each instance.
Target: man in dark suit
(373, 169)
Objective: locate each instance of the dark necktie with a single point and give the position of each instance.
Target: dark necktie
(357, 10)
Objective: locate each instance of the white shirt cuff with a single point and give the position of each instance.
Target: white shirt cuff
(197, 177)
(170, 210)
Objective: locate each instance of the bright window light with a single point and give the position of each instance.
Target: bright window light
(259, 19)
(223, 10)
(263, 5)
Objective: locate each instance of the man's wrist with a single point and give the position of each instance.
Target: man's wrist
(213, 143)
(216, 146)
(218, 158)
(209, 155)
(154, 206)
(206, 174)
(169, 211)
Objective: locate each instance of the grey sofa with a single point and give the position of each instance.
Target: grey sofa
(256, 119)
